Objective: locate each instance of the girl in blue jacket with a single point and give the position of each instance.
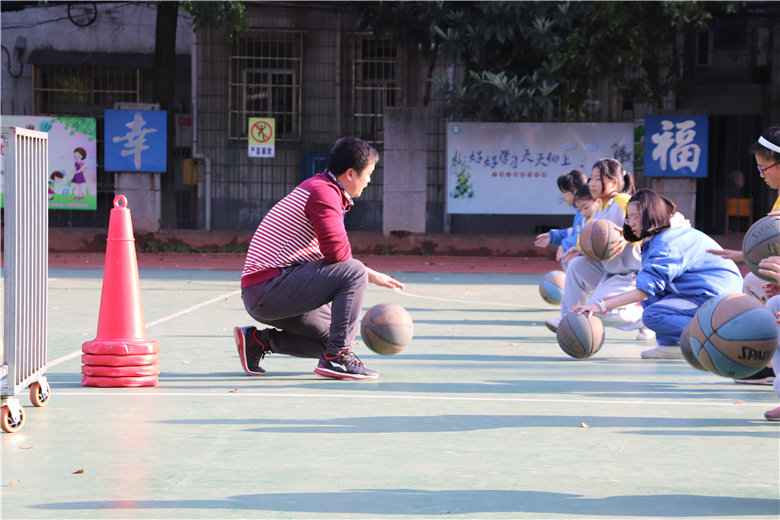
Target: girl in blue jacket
(565, 239)
(677, 274)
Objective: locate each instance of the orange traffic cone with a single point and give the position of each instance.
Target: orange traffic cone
(120, 355)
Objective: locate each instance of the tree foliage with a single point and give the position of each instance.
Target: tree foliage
(532, 60)
(228, 15)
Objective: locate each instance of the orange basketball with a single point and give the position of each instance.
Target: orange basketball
(551, 287)
(580, 335)
(732, 336)
(387, 329)
(601, 240)
(762, 240)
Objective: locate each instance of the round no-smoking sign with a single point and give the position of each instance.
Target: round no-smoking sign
(261, 131)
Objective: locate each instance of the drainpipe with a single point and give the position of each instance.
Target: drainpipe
(197, 155)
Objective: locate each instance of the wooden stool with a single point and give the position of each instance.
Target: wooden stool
(738, 208)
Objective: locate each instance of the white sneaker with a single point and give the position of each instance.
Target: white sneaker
(553, 324)
(645, 334)
(663, 352)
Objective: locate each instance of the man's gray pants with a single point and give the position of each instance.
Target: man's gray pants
(315, 305)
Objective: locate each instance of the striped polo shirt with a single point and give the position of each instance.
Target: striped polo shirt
(307, 225)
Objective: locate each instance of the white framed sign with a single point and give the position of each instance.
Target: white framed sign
(511, 168)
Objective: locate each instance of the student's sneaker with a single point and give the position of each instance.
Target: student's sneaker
(552, 324)
(773, 414)
(765, 376)
(663, 352)
(252, 348)
(645, 334)
(344, 365)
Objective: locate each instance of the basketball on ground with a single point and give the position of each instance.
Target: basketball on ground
(387, 329)
(685, 347)
(733, 336)
(551, 287)
(580, 335)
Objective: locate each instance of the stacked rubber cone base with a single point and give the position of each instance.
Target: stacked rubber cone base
(120, 364)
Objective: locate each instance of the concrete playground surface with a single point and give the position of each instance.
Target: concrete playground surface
(483, 416)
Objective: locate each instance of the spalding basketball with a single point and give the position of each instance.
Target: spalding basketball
(551, 287)
(601, 240)
(387, 328)
(733, 336)
(761, 241)
(580, 335)
(685, 347)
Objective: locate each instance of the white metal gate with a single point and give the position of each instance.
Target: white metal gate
(25, 270)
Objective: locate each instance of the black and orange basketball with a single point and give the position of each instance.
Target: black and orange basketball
(732, 336)
(580, 335)
(601, 240)
(387, 329)
(762, 240)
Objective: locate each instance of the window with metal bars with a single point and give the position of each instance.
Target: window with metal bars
(85, 90)
(265, 81)
(376, 84)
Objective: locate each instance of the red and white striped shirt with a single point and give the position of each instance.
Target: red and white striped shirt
(307, 225)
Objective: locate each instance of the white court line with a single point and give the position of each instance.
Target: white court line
(470, 302)
(325, 395)
(170, 317)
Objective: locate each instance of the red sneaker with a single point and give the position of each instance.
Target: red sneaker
(251, 349)
(773, 415)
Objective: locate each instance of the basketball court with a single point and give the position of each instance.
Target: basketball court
(482, 416)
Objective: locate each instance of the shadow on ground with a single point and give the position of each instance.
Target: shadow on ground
(418, 502)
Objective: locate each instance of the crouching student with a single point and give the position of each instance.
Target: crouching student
(566, 239)
(677, 273)
(589, 280)
(766, 152)
(770, 269)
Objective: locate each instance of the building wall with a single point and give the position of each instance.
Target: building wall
(120, 27)
(739, 89)
(243, 188)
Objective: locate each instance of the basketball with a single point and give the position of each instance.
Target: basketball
(761, 241)
(551, 287)
(387, 329)
(685, 347)
(601, 240)
(580, 336)
(732, 336)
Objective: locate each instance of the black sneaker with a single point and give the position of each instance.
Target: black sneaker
(251, 349)
(344, 365)
(765, 376)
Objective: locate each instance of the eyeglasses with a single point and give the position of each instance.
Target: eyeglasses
(762, 169)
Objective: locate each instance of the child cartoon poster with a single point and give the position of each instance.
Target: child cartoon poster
(72, 158)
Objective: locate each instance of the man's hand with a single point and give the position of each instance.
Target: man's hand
(728, 254)
(383, 280)
(559, 253)
(542, 240)
(770, 268)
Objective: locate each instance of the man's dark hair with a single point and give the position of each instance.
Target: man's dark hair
(571, 182)
(655, 211)
(351, 152)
